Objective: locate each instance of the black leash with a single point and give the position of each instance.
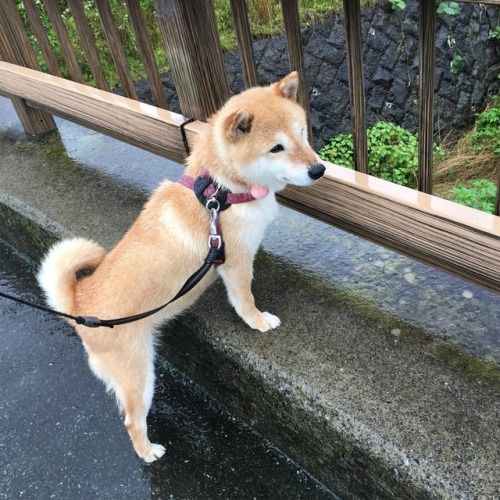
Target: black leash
(215, 254)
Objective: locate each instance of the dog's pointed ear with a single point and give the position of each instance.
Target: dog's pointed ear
(289, 86)
(238, 124)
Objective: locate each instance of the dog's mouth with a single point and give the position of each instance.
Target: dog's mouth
(304, 178)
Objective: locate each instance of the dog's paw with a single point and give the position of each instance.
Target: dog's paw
(154, 452)
(270, 322)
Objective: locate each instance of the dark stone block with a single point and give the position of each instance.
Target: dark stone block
(399, 93)
(391, 57)
(333, 56)
(376, 40)
(383, 78)
(377, 99)
(337, 34)
(342, 73)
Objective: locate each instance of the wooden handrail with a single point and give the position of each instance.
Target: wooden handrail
(460, 240)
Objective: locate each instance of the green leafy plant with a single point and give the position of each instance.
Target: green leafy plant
(456, 63)
(448, 8)
(494, 33)
(487, 128)
(397, 4)
(480, 194)
(339, 150)
(392, 153)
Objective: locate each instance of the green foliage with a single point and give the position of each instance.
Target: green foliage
(339, 150)
(481, 194)
(397, 4)
(448, 8)
(494, 33)
(456, 63)
(392, 153)
(120, 14)
(487, 129)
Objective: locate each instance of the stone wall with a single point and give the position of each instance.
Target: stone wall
(390, 41)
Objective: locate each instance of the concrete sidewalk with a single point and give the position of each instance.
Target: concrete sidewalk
(383, 380)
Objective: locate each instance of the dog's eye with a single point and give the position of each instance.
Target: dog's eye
(277, 148)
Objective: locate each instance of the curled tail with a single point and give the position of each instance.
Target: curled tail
(57, 275)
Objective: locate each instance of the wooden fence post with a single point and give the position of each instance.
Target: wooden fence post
(117, 53)
(146, 50)
(245, 42)
(67, 50)
(296, 54)
(497, 205)
(189, 31)
(88, 43)
(352, 13)
(426, 93)
(15, 48)
(34, 17)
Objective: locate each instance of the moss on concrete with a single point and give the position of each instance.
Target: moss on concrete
(368, 313)
(23, 234)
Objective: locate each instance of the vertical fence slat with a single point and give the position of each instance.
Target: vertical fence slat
(352, 12)
(295, 53)
(15, 48)
(88, 43)
(242, 27)
(426, 93)
(189, 31)
(146, 51)
(497, 206)
(41, 36)
(67, 49)
(115, 46)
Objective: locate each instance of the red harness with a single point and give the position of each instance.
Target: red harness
(206, 189)
(215, 200)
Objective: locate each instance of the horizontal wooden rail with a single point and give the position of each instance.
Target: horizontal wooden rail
(140, 124)
(457, 239)
(460, 240)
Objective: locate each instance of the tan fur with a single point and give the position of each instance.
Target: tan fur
(168, 242)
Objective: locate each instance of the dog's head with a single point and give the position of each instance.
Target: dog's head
(261, 139)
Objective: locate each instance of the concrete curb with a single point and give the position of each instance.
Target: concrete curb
(369, 404)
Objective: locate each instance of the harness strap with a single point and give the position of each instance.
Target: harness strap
(205, 189)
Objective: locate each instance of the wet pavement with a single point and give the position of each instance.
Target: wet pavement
(62, 437)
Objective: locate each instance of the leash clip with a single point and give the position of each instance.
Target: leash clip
(215, 239)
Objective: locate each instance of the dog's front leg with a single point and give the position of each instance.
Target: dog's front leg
(237, 277)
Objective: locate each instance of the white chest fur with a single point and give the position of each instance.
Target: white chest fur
(254, 217)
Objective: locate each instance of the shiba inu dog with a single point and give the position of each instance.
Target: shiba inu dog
(254, 146)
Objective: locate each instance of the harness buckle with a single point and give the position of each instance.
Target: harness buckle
(215, 239)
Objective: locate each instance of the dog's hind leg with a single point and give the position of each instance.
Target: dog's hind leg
(128, 370)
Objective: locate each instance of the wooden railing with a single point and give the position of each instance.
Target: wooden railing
(460, 240)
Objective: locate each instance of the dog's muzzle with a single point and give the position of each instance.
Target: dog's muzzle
(316, 171)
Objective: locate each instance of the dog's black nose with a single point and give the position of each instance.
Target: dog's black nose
(316, 171)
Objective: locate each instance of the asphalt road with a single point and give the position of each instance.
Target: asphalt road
(61, 436)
